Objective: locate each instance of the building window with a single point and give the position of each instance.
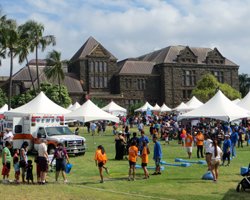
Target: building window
(141, 84)
(219, 75)
(98, 74)
(128, 83)
(186, 94)
(189, 78)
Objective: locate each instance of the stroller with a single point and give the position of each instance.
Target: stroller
(245, 182)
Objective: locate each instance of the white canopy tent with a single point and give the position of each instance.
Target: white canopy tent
(115, 109)
(236, 101)
(218, 107)
(41, 104)
(75, 106)
(156, 108)
(194, 103)
(144, 108)
(90, 112)
(245, 102)
(182, 107)
(70, 105)
(4, 108)
(165, 108)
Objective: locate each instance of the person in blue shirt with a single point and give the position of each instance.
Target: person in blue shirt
(234, 140)
(141, 139)
(226, 150)
(157, 156)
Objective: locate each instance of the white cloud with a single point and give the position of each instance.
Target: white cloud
(129, 28)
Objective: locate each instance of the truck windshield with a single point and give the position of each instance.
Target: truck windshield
(58, 130)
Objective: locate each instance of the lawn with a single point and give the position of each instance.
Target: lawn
(174, 183)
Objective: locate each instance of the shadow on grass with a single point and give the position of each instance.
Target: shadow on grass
(232, 194)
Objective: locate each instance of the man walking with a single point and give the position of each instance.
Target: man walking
(157, 156)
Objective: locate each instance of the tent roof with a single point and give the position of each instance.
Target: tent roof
(236, 101)
(156, 107)
(41, 104)
(144, 107)
(4, 108)
(218, 107)
(245, 102)
(75, 106)
(194, 103)
(113, 107)
(181, 107)
(165, 108)
(90, 112)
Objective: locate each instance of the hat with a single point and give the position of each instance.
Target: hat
(227, 135)
(120, 132)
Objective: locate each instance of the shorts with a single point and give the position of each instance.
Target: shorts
(60, 165)
(6, 169)
(29, 176)
(215, 163)
(189, 149)
(131, 163)
(157, 162)
(144, 164)
(43, 164)
(17, 173)
(100, 164)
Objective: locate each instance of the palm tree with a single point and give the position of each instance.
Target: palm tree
(37, 40)
(54, 68)
(244, 84)
(8, 45)
(24, 49)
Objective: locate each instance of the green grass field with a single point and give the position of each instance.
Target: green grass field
(174, 183)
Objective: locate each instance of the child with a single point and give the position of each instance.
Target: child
(132, 156)
(144, 159)
(29, 175)
(16, 165)
(166, 136)
(100, 160)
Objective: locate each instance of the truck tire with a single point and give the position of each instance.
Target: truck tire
(51, 150)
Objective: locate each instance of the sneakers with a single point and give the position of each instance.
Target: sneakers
(156, 173)
(107, 170)
(65, 181)
(129, 179)
(101, 181)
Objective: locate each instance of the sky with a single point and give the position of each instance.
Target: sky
(130, 28)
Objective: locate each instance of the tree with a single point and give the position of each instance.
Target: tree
(54, 68)
(244, 84)
(8, 45)
(3, 98)
(208, 85)
(50, 90)
(37, 40)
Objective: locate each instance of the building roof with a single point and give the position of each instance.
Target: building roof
(87, 48)
(39, 61)
(136, 67)
(70, 81)
(169, 55)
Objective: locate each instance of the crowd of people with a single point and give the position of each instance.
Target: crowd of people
(215, 141)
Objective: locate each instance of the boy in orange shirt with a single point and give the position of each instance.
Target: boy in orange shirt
(144, 159)
(132, 156)
(100, 160)
(188, 144)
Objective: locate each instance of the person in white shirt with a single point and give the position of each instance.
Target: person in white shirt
(207, 147)
(43, 160)
(7, 136)
(215, 161)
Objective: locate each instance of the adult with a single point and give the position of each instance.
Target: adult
(132, 156)
(199, 142)
(43, 160)
(226, 150)
(157, 156)
(134, 138)
(6, 159)
(215, 161)
(7, 136)
(93, 127)
(234, 140)
(142, 139)
(61, 156)
(119, 146)
(208, 153)
(23, 159)
(188, 144)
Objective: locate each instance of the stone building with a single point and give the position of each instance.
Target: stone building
(166, 76)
